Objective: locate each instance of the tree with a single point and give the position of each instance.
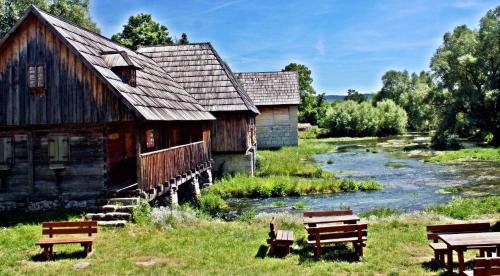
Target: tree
(394, 83)
(355, 96)
(308, 101)
(392, 118)
(184, 39)
(467, 65)
(142, 30)
(75, 11)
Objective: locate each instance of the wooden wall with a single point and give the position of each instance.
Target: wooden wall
(73, 94)
(31, 175)
(233, 132)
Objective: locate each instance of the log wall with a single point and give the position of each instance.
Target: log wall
(31, 177)
(233, 132)
(72, 95)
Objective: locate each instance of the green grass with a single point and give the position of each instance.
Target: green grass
(203, 246)
(466, 155)
(295, 161)
(381, 212)
(467, 208)
(278, 186)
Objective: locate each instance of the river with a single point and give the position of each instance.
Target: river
(410, 184)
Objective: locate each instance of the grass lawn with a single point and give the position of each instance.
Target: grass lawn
(396, 245)
(467, 155)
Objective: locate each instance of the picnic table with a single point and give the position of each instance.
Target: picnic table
(345, 219)
(460, 243)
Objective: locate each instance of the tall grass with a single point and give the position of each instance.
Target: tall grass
(278, 186)
(467, 155)
(466, 208)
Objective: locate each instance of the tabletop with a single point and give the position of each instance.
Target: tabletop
(330, 219)
(471, 239)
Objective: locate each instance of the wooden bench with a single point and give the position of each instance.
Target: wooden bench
(327, 213)
(67, 228)
(440, 248)
(279, 238)
(324, 235)
(485, 267)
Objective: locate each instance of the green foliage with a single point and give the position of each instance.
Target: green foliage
(279, 203)
(353, 95)
(466, 208)
(212, 203)
(142, 30)
(392, 119)
(184, 39)
(314, 132)
(240, 186)
(466, 65)
(75, 11)
(443, 140)
(381, 213)
(247, 216)
(300, 205)
(142, 213)
(467, 155)
(348, 118)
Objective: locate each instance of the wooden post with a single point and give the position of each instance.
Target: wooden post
(138, 152)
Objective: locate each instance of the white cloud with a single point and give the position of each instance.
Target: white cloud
(320, 46)
(464, 4)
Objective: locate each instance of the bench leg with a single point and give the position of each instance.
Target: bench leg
(359, 250)
(317, 252)
(481, 253)
(442, 261)
(46, 252)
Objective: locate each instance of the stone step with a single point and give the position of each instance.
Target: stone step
(111, 223)
(118, 208)
(108, 216)
(124, 201)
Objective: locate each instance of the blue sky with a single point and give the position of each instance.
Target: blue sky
(347, 44)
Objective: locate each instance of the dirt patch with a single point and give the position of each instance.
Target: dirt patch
(151, 260)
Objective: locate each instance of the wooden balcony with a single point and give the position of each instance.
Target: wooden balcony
(159, 167)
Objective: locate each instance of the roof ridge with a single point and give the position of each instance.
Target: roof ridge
(267, 72)
(239, 88)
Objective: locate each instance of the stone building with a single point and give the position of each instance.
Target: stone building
(276, 95)
(202, 72)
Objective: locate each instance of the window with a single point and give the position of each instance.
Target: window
(6, 150)
(58, 149)
(127, 74)
(150, 138)
(36, 79)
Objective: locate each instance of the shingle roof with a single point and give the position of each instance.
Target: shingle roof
(203, 74)
(156, 97)
(271, 88)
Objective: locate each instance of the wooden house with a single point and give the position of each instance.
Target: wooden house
(276, 95)
(201, 71)
(81, 116)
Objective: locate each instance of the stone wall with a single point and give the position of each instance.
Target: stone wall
(232, 163)
(277, 126)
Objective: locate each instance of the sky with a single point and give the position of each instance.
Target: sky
(347, 44)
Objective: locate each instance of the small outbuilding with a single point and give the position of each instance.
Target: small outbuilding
(82, 116)
(202, 72)
(276, 95)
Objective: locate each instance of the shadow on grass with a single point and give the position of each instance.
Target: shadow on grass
(60, 256)
(435, 267)
(262, 252)
(339, 252)
(20, 217)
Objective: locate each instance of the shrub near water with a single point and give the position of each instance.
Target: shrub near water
(278, 186)
(465, 208)
(212, 203)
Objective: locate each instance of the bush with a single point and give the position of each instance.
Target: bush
(313, 132)
(279, 190)
(212, 203)
(392, 118)
(142, 213)
(445, 141)
(348, 185)
(348, 118)
(466, 208)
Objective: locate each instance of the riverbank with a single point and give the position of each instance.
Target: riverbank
(466, 155)
(186, 243)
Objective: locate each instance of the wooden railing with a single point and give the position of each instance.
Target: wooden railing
(160, 166)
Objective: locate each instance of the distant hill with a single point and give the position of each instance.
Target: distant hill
(334, 98)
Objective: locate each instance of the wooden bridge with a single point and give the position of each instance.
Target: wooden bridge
(165, 170)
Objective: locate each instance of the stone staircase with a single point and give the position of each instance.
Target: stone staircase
(116, 212)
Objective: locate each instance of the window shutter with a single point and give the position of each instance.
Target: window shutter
(63, 148)
(32, 82)
(52, 149)
(40, 76)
